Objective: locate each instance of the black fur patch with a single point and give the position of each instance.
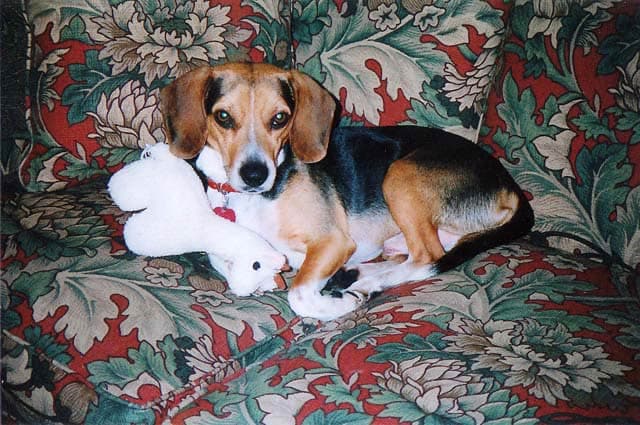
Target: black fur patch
(213, 92)
(342, 279)
(355, 165)
(285, 171)
(170, 128)
(286, 91)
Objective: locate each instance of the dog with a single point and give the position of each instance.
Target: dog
(332, 198)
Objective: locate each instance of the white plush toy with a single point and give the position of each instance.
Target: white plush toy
(172, 216)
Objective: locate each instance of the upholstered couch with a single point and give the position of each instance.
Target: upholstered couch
(543, 330)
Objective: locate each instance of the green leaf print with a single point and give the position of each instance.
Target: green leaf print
(121, 371)
(93, 79)
(71, 284)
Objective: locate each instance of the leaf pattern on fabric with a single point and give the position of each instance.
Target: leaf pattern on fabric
(581, 171)
(340, 49)
(85, 286)
(523, 333)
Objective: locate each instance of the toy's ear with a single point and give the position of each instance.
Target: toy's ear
(184, 105)
(313, 117)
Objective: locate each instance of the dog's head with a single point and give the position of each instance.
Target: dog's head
(247, 112)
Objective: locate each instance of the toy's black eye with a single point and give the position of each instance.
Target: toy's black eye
(279, 120)
(224, 119)
(256, 266)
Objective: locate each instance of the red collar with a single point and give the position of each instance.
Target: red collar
(223, 188)
(223, 211)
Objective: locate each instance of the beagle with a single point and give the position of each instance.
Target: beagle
(333, 198)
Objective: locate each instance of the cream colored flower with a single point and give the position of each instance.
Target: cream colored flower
(548, 15)
(163, 272)
(204, 361)
(362, 328)
(129, 117)
(164, 38)
(434, 385)
(547, 361)
(551, 8)
(547, 18)
(428, 17)
(385, 16)
(472, 88)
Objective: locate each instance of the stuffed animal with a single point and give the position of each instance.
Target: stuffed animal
(172, 215)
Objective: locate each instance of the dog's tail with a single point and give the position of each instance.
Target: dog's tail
(519, 225)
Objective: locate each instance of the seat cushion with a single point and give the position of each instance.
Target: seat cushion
(90, 328)
(93, 333)
(521, 334)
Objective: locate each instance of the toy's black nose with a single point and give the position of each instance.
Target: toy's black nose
(254, 173)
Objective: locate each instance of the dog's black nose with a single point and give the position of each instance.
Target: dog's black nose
(254, 173)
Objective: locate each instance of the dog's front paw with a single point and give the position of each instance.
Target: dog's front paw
(306, 301)
(365, 287)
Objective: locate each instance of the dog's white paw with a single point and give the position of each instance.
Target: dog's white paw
(364, 287)
(306, 301)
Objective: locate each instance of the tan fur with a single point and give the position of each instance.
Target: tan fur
(185, 116)
(321, 233)
(405, 187)
(507, 203)
(311, 128)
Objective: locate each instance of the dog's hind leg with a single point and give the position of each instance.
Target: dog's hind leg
(415, 206)
(390, 274)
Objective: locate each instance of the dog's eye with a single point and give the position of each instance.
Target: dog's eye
(279, 120)
(223, 118)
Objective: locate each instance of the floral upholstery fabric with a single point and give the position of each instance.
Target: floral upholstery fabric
(543, 330)
(98, 66)
(411, 61)
(565, 117)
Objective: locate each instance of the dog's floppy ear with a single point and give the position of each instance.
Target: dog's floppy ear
(312, 118)
(183, 104)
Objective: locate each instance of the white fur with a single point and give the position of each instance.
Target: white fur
(306, 300)
(387, 274)
(172, 216)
